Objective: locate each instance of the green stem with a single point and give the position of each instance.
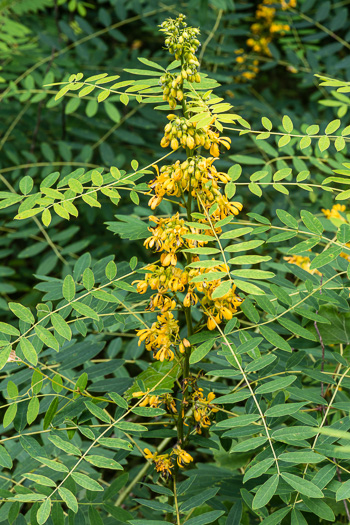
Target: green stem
(186, 357)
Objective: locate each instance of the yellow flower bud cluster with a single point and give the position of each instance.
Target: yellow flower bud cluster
(182, 132)
(168, 236)
(172, 85)
(182, 42)
(162, 338)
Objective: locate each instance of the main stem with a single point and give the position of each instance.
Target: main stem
(186, 358)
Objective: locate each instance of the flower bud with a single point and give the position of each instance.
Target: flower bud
(190, 142)
(174, 144)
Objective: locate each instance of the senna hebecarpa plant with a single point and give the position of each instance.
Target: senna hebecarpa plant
(207, 384)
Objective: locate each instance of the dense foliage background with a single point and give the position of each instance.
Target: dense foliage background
(264, 72)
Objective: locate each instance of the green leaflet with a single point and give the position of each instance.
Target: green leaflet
(238, 421)
(320, 508)
(201, 351)
(85, 310)
(276, 384)
(5, 458)
(46, 337)
(61, 326)
(298, 518)
(243, 246)
(249, 444)
(305, 487)
(265, 492)
(86, 482)
(206, 518)
(343, 491)
(22, 312)
(97, 411)
(283, 410)
(69, 499)
(29, 351)
(103, 462)
(44, 511)
(258, 469)
(276, 517)
(64, 445)
(199, 499)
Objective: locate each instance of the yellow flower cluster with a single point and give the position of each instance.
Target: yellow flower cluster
(182, 132)
(202, 409)
(216, 310)
(174, 279)
(191, 175)
(199, 176)
(263, 32)
(164, 463)
(163, 279)
(162, 337)
(334, 213)
(168, 237)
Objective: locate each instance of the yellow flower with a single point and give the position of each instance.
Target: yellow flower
(163, 463)
(202, 409)
(151, 400)
(162, 302)
(183, 458)
(248, 75)
(168, 236)
(288, 3)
